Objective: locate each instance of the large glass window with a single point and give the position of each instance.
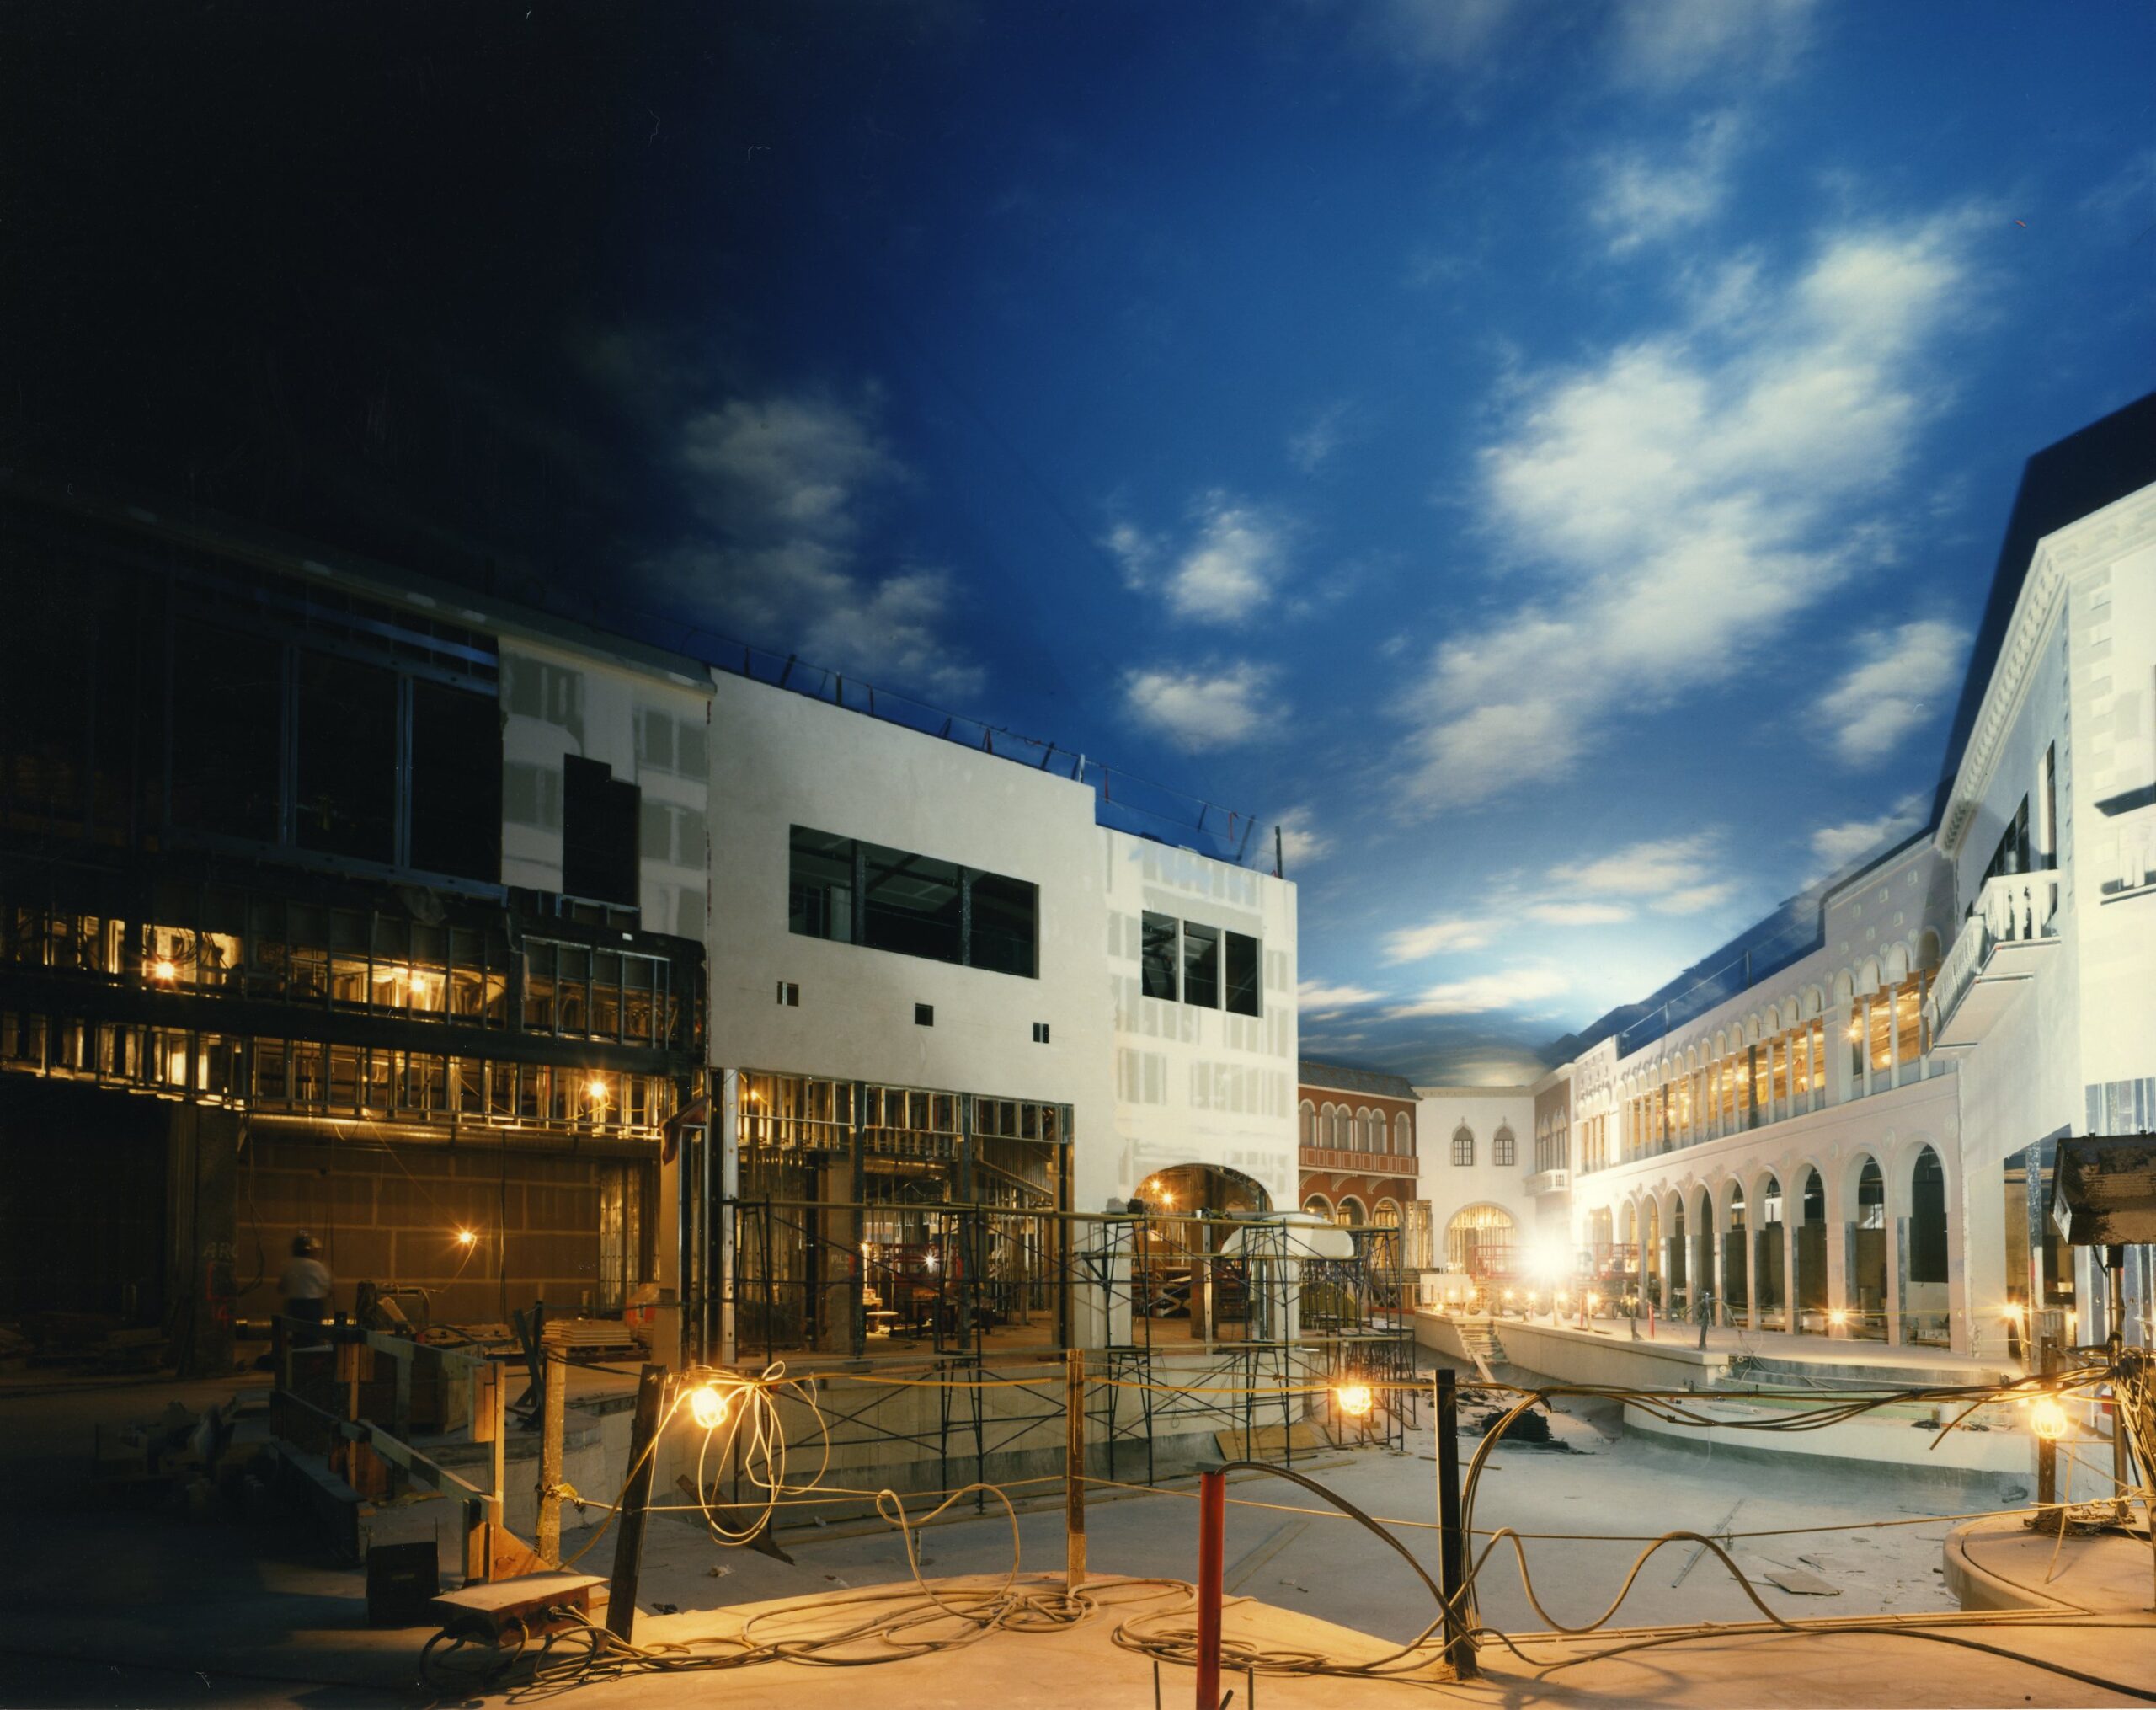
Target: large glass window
(1004, 917)
(347, 758)
(1201, 966)
(457, 782)
(819, 894)
(1243, 960)
(1158, 960)
(227, 716)
(912, 904)
(1882, 1041)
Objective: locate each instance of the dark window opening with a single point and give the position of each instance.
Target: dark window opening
(457, 782)
(913, 904)
(1158, 958)
(1201, 966)
(346, 794)
(227, 718)
(789, 994)
(1040, 1032)
(1243, 961)
(924, 1015)
(820, 889)
(1001, 922)
(599, 832)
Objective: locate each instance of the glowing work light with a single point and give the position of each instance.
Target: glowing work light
(1354, 1399)
(707, 1406)
(2047, 1418)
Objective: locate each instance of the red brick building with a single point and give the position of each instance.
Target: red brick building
(1357, 1155)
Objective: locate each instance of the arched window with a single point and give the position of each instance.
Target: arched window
(1338, 1125)
(1387, 1214)
(1352, 1214)
(1403, 1135)
(1477, 1231)
(1319, 1206)
(1373, 1131)
(1504, 1150)
(1309, 1123)
(1463, 1146)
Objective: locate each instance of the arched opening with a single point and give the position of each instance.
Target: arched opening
(1810, 1288)
(1353, 1214)
(1386, 1214)
(1190, 1203)
(1309, 1124)
(1479, 1241)
(1736, 1287)
(1769, 1245)
(1868, 1254)
(1319, 1206)
(1924, 1240)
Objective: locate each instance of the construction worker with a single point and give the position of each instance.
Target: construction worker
(305, 1282)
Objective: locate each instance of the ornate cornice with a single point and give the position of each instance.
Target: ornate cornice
(2099, 538)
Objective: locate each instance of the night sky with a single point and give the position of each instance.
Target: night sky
(1550, 457)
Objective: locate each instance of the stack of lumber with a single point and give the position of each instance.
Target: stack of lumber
(589, 1337)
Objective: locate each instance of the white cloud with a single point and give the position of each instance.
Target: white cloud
(1509, 989)
(1639, 200)
(1312, 448)
(1899, 683)
(1207, 707)
(1673, 503)
(1663, 45)
(1835, 847)
(1433, 937)
(1315, 999)
(782, 483)
(1578, 914)
(1227, 570)
(1301, 840)
(1641, 869)
(1695, 899)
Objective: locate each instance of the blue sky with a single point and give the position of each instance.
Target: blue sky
(1548, 456)
(1552, 458)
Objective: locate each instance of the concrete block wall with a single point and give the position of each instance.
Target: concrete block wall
(390, 1214)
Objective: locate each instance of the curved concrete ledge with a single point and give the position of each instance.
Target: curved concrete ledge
(2002, 1562)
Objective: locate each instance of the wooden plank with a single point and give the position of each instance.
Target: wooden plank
(636, 1498)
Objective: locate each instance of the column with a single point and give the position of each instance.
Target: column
(1841, 1260)
(1792, 1210)
(1751, 1267)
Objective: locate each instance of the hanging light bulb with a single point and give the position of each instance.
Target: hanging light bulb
(2047, 1418)
(467, 1237)
(707, 1406)
(163, 970)
(1354, 1399)
(596, 1089)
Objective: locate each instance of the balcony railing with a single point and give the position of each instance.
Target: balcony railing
(1368, 1163)
(2013, 911)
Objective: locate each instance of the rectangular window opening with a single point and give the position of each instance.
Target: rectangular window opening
(1158, 958)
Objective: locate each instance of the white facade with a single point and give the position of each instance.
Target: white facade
(1953, 1015)
(1477, 1122)
(646, 722)
(1148, 1083)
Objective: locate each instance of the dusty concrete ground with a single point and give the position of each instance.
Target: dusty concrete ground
(106, 1605)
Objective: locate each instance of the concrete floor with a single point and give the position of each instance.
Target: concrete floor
(102, 1605)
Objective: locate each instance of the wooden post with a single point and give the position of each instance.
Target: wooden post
(1212, 1525)
(1074, 1468)
(1452, 1541)
(2046, 1450)
(550, 1460)
(498, 1425)
(636, 1498)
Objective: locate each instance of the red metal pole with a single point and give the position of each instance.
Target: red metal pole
(1212, 1523)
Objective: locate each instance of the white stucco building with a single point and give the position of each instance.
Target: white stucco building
(936, 980)
(1843, 1122)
